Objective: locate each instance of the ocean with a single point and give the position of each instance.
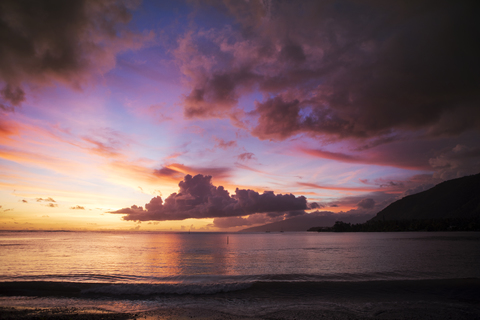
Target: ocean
(125, 271)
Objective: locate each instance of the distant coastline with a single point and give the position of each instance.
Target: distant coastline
(472, 224)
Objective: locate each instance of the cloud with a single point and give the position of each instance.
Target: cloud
(411, 154)
(167, 172)
(47, 41)
(457, 162)
(52, 205)
(49, 199)
(315, 205)
(217, 172)
(24, 201)
(77, 207)
(231, 222)
(361, 70)
(333, 155)
(314, 219)
(254, 219)
(356, 189)
(366, 203)
(225, 144)
(199, 198)
(101, 148)
(246, 156)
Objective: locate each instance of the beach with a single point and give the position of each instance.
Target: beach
(405, 299)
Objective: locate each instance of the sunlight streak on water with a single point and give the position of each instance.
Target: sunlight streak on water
(182, 258)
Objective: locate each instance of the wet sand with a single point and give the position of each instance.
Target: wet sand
(405, 299)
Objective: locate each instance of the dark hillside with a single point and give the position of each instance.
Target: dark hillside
(452, 199)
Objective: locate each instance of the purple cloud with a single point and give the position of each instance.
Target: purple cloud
(362, 70)
(45, 42)
(199, 198)
(366, 203)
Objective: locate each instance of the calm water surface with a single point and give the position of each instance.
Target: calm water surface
(197, 258)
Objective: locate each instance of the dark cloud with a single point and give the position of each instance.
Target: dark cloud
(315, 205)
(50, 41)
(457, 162)
(165, 172)
(11, 97)
(77, 207)
(350, 69)
(366, 203)
(450, 157)
(177, 171)
(199, 198)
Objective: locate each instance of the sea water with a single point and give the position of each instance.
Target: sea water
(156, 263)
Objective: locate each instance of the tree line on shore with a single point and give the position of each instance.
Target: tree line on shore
(452, 224)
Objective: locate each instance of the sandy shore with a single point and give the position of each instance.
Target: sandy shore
(413, 310)
(415, 299)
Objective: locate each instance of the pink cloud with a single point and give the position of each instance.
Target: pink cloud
(199, 198)
(367, 73)
(225, 144)
(355, 189)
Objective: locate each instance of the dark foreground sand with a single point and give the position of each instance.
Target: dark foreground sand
(423, 299)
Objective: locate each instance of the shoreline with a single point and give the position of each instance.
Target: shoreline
(391, 299)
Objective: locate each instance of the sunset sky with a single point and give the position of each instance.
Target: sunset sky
(291, 107)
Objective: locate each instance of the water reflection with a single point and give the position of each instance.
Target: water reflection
(163, 257)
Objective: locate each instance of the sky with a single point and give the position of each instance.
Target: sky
(221, 115)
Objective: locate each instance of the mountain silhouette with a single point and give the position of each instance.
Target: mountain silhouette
(304, 222)
(452, 199)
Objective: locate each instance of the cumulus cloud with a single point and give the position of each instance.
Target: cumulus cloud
(48, 41)
(355, 69)
(199, 198)
(77, 207)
